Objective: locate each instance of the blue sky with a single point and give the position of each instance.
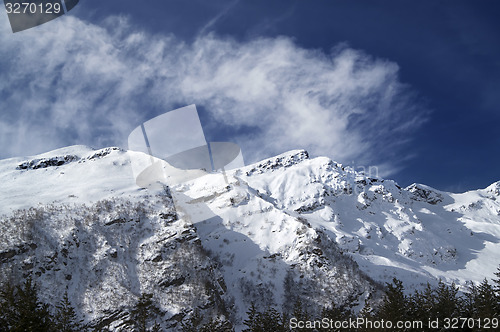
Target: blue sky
(412, 87)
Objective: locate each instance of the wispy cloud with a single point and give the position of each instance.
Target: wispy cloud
(72, 82)
(217, 17)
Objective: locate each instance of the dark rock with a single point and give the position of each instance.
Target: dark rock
(157, 259)
(116, 221)
(4, 256)
(175, 282)
(47, 162)
(28, 266)
(317, 251)
(169, 216)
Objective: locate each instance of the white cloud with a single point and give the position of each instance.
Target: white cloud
(72, 82)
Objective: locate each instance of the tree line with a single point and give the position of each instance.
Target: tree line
(438, 308)
(22, 310)
(477, 309)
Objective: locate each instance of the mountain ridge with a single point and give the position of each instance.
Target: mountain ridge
(289, 226)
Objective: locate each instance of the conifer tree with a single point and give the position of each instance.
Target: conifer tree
(497, 285)
(446, 301)
(66, 319)
(422, 303)
(368, 313)
(300, 313)
(395, 306)
(496, 288)
(252, 320)
(485, 301)
(8, 313)
(143, 311)
(270, 320)
(32, 314)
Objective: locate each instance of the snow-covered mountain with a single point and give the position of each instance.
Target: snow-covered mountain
(286, 228)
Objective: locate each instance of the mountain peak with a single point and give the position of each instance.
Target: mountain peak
(65, 156)
(283, 160)
(422, 192)
(494, 188)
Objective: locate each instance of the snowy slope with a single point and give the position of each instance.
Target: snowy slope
(83, 175)
(412, 233)
(285, 228)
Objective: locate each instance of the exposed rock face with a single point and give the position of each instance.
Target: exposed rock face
(425, 193)
(107, 254)
(47, 162)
